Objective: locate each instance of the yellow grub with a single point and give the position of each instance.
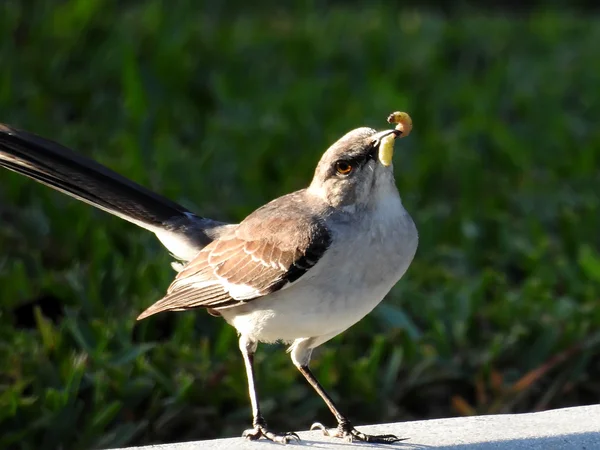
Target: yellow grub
(386, 146)
(386, 149)
(403, 121)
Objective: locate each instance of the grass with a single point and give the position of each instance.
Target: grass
(224, 108)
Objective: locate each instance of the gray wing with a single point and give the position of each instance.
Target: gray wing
(271, 248)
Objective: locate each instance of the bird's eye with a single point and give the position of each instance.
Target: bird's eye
(343, 167)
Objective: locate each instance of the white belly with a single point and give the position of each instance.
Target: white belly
(351, 279)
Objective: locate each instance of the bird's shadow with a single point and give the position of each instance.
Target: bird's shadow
(329, 443)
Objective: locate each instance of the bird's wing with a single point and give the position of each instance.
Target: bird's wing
(271, 248)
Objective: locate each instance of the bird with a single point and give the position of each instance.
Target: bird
(300, 270)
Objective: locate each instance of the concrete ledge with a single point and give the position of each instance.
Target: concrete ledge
(569, 428)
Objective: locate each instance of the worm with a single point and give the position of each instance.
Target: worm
(403, 121)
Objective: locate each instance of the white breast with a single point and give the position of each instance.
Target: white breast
(357, 271)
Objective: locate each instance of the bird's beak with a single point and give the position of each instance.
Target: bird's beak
(385, 140)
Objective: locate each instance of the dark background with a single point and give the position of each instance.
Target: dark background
(225, 105)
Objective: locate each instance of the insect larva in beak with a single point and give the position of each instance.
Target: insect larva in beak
(403, 121)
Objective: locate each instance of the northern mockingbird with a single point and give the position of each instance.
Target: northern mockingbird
(300, 269)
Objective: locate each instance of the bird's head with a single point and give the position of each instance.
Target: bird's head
(359, 165)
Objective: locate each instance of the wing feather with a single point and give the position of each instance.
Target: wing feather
(270, 249)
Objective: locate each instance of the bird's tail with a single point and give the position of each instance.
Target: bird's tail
(60, 168)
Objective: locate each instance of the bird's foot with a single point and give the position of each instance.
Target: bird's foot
(346, 431)
(261, 430)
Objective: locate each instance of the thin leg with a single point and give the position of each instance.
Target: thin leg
(345, 429)
(248, 348)
(304, 370)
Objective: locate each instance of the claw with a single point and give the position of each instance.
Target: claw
(320, 426)
(252, 434)
(346, 431)
(259, 431)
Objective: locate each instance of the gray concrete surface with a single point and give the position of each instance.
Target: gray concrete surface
(569, 428)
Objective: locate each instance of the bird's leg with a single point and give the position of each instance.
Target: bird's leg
(248, 348)
(345, 429)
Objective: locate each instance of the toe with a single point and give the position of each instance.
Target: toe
(252, 434)
(320, 426)
(383, 438)
(282, 438)
(293, 436)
